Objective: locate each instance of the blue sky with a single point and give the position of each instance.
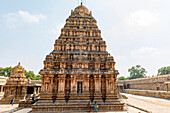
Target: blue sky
(135, 31)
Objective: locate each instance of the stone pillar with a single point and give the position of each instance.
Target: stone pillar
(42, 84)
(100, 79)
(97, 78)
(87, 84)
(73, 85)
(61, 84)
(34, 90)
(42, 87)
(111, 84)
(51, 83)
(107, 84)
(114, 85)
(97, 84)
(38, 90)
(1, 88)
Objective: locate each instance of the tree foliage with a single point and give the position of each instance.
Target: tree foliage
(122, 78)
(29, 74)
(164, 71)
(32, 76)
(5, 71)
(137, 72)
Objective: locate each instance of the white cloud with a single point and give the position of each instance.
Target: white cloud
(143, 18)
(56, 30)
(27, 17)
(13, 19)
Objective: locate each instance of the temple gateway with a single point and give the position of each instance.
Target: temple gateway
(79, 69)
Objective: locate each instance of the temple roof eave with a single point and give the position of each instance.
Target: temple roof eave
(64, 71)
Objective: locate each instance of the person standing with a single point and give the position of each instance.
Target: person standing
(95, 106)
(89, 106)
(12, 101)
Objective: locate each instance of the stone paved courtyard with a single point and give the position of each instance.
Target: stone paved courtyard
(155, 105)
(4, 108)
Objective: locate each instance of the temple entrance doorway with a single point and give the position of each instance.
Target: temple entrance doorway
(30, 90)
(79, 87)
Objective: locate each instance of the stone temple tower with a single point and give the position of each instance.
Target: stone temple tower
(16, 86)
(79, 69)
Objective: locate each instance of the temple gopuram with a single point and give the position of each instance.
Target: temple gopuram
(79, 69)
(19, 87)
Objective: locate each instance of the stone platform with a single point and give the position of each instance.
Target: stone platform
(77, 103)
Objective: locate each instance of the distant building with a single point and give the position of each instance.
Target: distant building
(2, 83)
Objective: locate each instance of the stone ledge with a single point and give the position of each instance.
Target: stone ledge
(149, 93)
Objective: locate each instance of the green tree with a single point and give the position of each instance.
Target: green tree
(164, 71)
(38, 77)
(29, 74)
(122, 78)
(137, 72)
(32, 76)
(5, 71)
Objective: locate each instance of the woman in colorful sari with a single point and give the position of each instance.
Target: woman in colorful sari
(89, 106)
(95, 106)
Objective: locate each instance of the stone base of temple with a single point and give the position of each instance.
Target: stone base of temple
(8, 101)
(29, 101)
(77, 103)
(26, 104)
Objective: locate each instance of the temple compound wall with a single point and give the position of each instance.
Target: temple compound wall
(149, 93)
(149, 83)
(157, 86)
(18, 87)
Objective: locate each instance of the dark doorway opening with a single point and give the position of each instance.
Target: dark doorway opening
(79, 87)
(128, 86)
(30, 90)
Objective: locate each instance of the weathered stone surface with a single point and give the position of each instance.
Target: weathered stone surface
(79, 69)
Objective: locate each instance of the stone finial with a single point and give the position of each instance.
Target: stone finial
(19, 63)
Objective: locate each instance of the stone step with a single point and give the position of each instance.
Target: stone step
(86, 95)
(74, 105)
(50, 108)
(79, 103)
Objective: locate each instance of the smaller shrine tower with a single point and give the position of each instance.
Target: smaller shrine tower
(16, 86)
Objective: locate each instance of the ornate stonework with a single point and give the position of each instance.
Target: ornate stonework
(16, 84)
(79, 69)
(18, 87)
